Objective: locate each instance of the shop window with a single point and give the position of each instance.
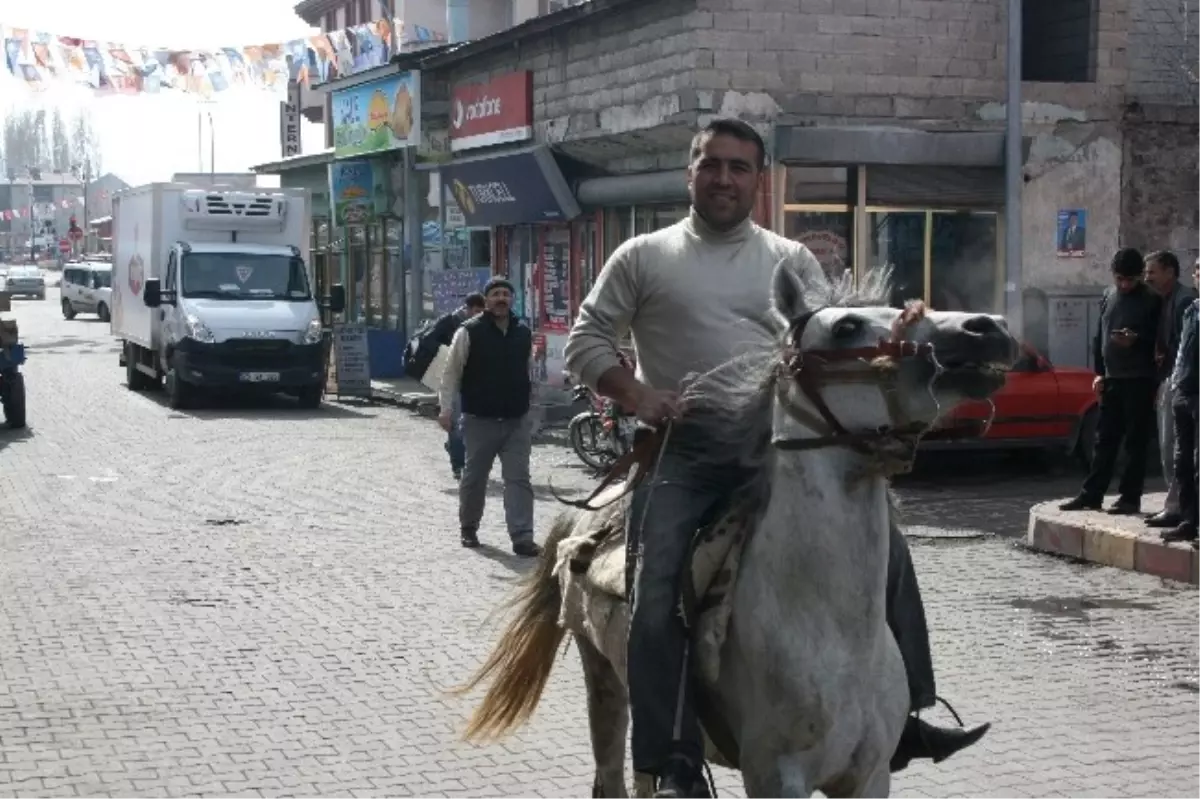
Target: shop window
(950, 259)
(897, 239)
(820, 184)
(829, 234)
(964, 263)
(481, 249)
(618, 228)
(1058, 40)
(651, 218)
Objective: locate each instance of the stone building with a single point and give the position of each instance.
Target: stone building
(885, 125)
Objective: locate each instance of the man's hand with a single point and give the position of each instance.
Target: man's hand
(445, 420)
(1124, 337)
(654, 407)
(1098, 385)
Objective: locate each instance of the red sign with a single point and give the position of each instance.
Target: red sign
(496, 112)
(64, 245)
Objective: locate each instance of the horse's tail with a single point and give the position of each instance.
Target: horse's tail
(520, 665)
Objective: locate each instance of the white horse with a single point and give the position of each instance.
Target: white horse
(811, 685)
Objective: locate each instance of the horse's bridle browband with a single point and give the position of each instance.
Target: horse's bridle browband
(807, 368)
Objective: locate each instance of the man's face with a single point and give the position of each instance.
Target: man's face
(499, 301)
(1125, 284)
(1159, 277)
(723, 180)
(1196, 275)
(476, 310)
(1072, 221)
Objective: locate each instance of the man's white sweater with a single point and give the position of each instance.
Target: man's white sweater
(692, 297)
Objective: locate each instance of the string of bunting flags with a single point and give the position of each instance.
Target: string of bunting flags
(40, 209)
(40, 59)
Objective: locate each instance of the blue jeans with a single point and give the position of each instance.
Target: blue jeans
(455, 447)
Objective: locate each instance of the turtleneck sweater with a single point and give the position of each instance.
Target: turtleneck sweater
(692, 297)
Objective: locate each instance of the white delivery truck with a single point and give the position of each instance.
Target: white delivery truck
(211, 289)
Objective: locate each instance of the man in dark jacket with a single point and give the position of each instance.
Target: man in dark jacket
(1162, 275)
(1126, 381)
(1185, 388)
(488, 367)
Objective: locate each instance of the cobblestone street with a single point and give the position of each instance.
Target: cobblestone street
(254, 599)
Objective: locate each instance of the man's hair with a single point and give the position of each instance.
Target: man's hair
(1166, 259)
(1128, 262)
(474, 300)
(729, 127)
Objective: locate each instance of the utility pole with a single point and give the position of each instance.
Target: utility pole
(1013, 183)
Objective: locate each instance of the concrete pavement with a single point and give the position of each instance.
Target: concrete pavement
(260, 600)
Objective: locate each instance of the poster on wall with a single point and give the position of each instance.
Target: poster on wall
(1072, 233)
(555, 284)
(378, 116)
(351, 184)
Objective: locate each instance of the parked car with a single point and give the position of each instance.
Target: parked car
(87, 288)
(25, 281)
(1041, 406)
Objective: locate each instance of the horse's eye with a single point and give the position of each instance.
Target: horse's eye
(846, 328)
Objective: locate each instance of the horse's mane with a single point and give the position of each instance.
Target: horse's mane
(734, 399)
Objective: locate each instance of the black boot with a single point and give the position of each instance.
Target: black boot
(682, 778)
(921, 739)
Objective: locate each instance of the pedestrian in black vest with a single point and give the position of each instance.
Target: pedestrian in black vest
(1126, 381)
(488, 368)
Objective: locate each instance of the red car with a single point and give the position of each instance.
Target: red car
(1041, 406)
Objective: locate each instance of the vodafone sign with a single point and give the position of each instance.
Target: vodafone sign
(496, 112)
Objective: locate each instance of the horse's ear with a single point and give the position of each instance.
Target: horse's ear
(787, 293)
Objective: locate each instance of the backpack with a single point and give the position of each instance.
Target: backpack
(423, 347)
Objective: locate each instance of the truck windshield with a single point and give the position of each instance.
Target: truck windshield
(242, 276)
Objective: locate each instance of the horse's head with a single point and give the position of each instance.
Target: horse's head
(865, 376)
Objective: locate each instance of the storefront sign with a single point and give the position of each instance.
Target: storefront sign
(520, 188)
(496, 112)
(378, 116)
(450, 286)
(351, 188)
(352, 362)
(289, 122)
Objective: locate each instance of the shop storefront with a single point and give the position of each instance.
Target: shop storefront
(376, 124)
(935, 217)
(522, 196)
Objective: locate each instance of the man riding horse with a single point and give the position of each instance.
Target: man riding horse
(694, 296)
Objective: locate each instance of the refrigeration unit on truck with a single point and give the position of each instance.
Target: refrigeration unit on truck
(211, 290)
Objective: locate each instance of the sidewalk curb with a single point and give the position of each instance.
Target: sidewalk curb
(1122, 543)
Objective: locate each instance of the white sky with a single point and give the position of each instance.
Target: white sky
(147, 138)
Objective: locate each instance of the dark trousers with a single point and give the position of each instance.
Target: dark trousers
(664, 518)
(1126, 413)
(1186, 455)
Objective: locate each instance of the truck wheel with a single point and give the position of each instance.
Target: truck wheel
(13, 400)
(309, 397)
(102, 312)
(68, 310)
(179, 393)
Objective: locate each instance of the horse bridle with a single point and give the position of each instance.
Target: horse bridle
(809, 370)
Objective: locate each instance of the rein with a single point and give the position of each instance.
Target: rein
(810, 370)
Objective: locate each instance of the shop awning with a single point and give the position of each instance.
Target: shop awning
(517, 187)
(888, 145)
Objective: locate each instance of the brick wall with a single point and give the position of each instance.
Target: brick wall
(1160, 207)
(614, 73)
(1163, 47)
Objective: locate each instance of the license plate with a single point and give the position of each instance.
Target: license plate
(259, 377)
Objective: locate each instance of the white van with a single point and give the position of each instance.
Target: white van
(87, 288)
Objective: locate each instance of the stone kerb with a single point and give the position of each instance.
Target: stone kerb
(1120, 541)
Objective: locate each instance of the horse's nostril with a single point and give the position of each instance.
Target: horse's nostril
(981, 325)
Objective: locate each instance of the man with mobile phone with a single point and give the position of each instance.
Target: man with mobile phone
(1126, 382)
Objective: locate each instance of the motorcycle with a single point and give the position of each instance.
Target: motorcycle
(601, 434)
